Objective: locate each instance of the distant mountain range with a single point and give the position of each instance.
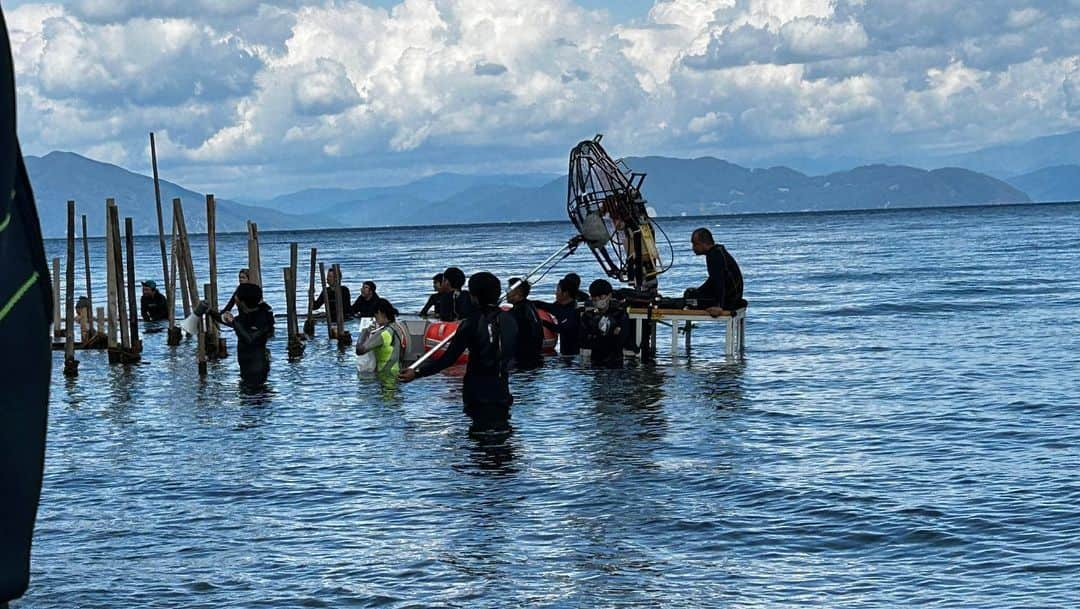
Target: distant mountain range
(1010, 160)
(673, 187)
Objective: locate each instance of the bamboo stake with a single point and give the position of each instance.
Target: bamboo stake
(157, 203)
(110, 272)
(326, 302)
(71, 365)
(58, 331)
(215, 344)
(89, 284)
(309, 323)
(343, 336)
(174, 334)
(118, 274)
(133, 309)
(186, 268)
(254, 264)
(295, 346)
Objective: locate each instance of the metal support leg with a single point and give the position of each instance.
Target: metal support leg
(686, 339)
(674, 338)
(729, 336)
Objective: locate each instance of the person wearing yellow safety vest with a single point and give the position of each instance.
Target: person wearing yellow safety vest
(384, 340)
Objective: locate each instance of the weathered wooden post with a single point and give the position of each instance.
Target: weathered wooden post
(295, 345)
(254, 265)
(157, 203)
(90, 337)
(58, 330)
(185, 267)
(174, 334)
(215, 343)
(110, 274)
(133, 308)
(126, 353)
(343, 337)
(309, 323)
(71, 365)
(326, 302)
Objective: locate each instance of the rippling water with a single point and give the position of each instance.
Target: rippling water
(903, 430)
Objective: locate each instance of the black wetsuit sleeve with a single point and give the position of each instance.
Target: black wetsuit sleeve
(453, 351)
(260, 333)
(320, 300)
(432, 300)
(354, 308)
(229, 305)
(143, 310)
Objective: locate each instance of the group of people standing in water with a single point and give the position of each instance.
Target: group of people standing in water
(498, 340)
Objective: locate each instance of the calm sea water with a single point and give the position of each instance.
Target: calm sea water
(903, 431)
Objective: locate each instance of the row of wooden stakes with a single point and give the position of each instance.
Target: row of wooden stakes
(109, 330)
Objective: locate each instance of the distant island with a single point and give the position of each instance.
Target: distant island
(674, 187)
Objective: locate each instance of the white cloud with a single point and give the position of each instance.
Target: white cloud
(291, 91)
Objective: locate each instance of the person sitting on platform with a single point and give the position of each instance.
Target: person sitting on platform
(153, 305)
(604, 327)
(329, 294)
(254, 326)
(530, 339)
(366, 302)
(723, 290)
(242, 277)
(454, 301)
(567, 318)
(433, 299)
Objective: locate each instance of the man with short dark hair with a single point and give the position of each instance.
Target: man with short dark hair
(723, 290)
(567, 318)
(454, 302)
(433, 299)
(254, 325)
(603, 327)
(530, 347)
(366, 302)
(329, 297)
(490, 335)
(153, 304)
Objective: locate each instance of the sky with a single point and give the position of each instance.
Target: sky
(251, 98)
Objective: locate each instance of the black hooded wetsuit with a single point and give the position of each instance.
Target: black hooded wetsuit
(530, 343)
(154, 307)
(724, 287)
(328, 296)
(453, 306)
(253, 330)
(605, 335)
(567, 326)
(490, 335)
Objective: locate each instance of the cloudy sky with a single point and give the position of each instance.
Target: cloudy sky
(253, 98)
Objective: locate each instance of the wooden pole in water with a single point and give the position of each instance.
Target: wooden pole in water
(326, 302)
(157, 202)
(101, 318)
(174, 334)
(186, 267)
(57, 329)
(89, 284)
(215, 343)
(133, 309)
(71, 365)
(118, 275)
(296, 346)
(343, 336)
(201, 355)
(309, 323)
(110, 273)
(254, 266)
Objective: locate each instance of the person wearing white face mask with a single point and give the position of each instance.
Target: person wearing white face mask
(604, 327)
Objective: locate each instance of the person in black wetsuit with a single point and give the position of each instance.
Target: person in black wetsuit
(604, 327)
(567, 318)
(241, 278)
(530, 343)
(490, 335)
(573, 284)
(25, 313)
(433, 299)
(254, 326)
(366, 302)
(153, 304)
(329, 295)
(723, 290)
(454, 301)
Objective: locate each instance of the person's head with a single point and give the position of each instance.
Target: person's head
(331, 276)
(519, 290)
(367, 290)
(385, 313)
(454, 279)
(564, 291)
(573, 283)
(701, 240)
(243, 276)
(248, 297)
(436, 281)
(484, 288)
(600, 291)
(149, 287)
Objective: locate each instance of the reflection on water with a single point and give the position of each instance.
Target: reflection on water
(852, 437)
